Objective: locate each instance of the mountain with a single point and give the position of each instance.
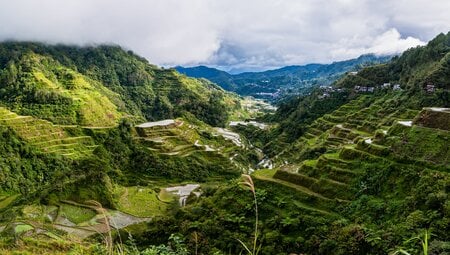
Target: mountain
(99, 85)
(104, 153)
(82, 128)
(222, 78)
(412, 71)
(284, 81)
(353, 171)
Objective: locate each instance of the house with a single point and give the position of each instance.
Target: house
(360, 89)
(327, 88)
(324, 95)
(353, 73)
(430, 88)
(386, 85)
(396, 87)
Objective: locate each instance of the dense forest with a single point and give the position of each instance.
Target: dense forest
(93, 141)
(413, 71)
(72, 85)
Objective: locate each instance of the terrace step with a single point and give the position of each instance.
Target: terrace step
(323, 124)
(333, 144)
(294, 186)
(50, 136)
(66, 140)
(338, 162)
(326, 187)
(340, 113)
(18, 120)
(333, 118)
(327, 170)
(340, 174)
(350, 153)
(314, 209)
(308, 135)
(315, 131)
(367, 145)
(45, 136)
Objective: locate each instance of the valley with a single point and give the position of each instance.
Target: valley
(274, 85)
(104, 153)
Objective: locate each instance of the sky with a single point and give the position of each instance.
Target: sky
(236, 35)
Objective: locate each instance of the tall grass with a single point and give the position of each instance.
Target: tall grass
(195, 236)
(423, 241)
(111, 248)
(248, 182)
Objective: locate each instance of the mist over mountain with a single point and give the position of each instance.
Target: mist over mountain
(282, 82)
(96, 141)
(224, 127)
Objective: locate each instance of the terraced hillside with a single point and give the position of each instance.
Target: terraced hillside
(47, 137)
(360, 118)
(365, 178)
(97, 86)
(340, 150)
(183, 140)
(168, 137)
(78, 221)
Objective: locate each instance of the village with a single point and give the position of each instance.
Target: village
(327, 90)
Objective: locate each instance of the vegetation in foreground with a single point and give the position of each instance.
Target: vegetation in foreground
(359, 173)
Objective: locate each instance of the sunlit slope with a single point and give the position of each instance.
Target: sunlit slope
(97, 86)
(196, 145)
(370, 148)
(46, 136)
(42, 87)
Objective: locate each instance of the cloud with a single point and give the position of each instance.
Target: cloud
(251, 34)
(388, 43)
(391, 42)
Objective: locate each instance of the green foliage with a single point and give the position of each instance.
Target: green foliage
(51, 91)
(95, 85)
(424, 242)
(23, 169)
(176, 247)
(295, 115)
(76, 214)
(349, 179)
(414, 69)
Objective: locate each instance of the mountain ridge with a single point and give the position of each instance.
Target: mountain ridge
(342, 170)
(54, 77)
(288, 79)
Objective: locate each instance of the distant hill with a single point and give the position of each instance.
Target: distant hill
(412, 71)
(282, 81)
(415, 68)
(94, 86)
(337, 171)
(222, 78)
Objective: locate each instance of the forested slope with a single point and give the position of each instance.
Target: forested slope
(355, 170)
(99, 85)
(285, 81)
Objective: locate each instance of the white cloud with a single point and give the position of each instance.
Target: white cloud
(245, 34)
(391, 42)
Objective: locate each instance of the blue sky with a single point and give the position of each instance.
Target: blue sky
(231, 34)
